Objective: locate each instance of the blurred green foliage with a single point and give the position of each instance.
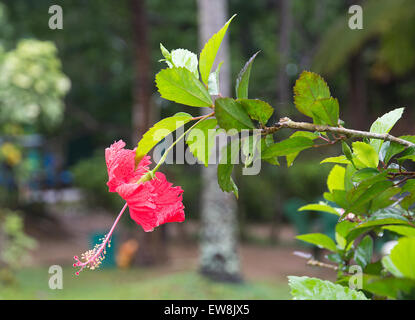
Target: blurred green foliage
(14, 244)
(90, 175)
(32, 84)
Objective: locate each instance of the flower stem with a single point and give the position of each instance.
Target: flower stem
(94, 257)
(163, 158)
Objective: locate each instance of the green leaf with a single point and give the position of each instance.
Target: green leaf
(159, 131)
(384, 199)
(410, 151)
(287, 147)
(350, 171)
(388, 287)
(181, 58)
(339, 160)
(326, 111)
(312, 98)
(342, 230)
(403, 257)
(180, 85)
(389, 266)
(225, 167)
(242, 80)
(321, 207)
(310, 135)
(347, 151)
(365, 155)
(305, 288)
(338, 197)
(231, 115)
(401, 230)
(250, 148)
(364, 251)
(391, 149)
(364, 174)
(257, 109)
(201, 140)
(409, 200)
(374, 268)
(213, 82)
(209, 51)
(410, 157)
(166, 54)
(267, 141)
(384, 217)
(335, 180)
(384, 124)
(319, 239)
(367, 195)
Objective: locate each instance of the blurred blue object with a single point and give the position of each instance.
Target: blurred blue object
(65, 177)
(49, 164)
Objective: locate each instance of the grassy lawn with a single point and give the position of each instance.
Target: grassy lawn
(137, 284)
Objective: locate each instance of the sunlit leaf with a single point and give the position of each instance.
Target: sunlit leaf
(312, 98)
(365, 155)
(181, 86)
(339, 160)
(159, 131)
(403, 257)
(384, 124)
(335, 180)
(210, 50)
(305, 288)
(201, 140)
(319, 239)
(213, 82)
(321, 207)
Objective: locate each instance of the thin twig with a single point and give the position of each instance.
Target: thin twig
(288, 123)
(313, 262)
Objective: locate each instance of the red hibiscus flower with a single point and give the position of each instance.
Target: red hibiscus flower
(151, 200)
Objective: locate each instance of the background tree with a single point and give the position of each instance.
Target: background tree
(284, 45)
(152, 249)
(218, 249)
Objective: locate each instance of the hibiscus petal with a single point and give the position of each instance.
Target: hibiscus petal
(154, 202)
(121, 165)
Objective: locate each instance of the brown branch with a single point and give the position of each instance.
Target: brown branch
(313, 262)
(288, 123)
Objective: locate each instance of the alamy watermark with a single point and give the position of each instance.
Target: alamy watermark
(56, 18)
(56, 278)
(215, 145)
(356, 19)
(356, 280)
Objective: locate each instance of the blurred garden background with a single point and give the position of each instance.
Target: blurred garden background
(67, 94)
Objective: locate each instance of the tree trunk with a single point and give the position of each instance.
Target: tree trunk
(285, 27)
(357, 103)
(357, 93)
(218, 248)
(152, 248)
(141, 113)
